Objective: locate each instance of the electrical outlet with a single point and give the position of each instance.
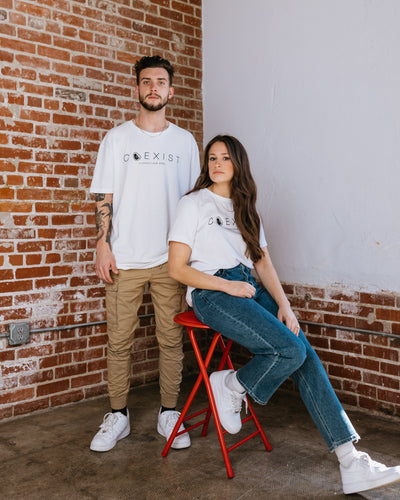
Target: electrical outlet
(18, 333)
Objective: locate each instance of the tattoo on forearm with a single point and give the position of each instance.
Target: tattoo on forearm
(108, 235)
(103, 216)
(100, 196)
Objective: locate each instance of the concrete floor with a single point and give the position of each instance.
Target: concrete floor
(47, 456)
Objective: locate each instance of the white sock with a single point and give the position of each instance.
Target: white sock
(346, 453)
(233, 383)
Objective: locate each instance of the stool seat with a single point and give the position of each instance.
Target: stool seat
(189, 320)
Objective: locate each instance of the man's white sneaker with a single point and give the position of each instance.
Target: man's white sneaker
(228, 402)
(363, 473)
(115, 426)
(166, 423)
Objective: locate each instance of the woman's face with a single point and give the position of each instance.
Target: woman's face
(220, 166)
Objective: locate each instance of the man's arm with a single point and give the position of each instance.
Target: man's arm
(105, 259)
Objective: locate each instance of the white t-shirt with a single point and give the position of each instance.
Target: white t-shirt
(205, 222)
(147, 173)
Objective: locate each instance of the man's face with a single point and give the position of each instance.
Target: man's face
(154, 90)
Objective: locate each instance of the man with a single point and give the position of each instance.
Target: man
(143, 168)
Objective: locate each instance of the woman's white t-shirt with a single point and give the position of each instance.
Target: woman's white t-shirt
(205, 222)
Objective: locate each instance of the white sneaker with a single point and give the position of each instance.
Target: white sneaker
(115, 426)
(228, 402)
(363, 473)
(166, 423)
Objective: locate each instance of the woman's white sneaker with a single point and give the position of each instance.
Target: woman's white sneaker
(115, 426)
(363, 473)
(228, 402)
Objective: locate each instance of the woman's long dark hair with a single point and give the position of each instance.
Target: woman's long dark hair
(243, 192)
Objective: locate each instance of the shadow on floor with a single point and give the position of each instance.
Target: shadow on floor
(47, 456)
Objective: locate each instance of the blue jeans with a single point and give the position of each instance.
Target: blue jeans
(278, 353)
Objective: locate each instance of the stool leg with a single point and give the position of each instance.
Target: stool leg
(225, 348)
(264, 438)
(206, 363)
(189, 401)
(225, 354)
(212, 401)
(195, 387)
(227, 359)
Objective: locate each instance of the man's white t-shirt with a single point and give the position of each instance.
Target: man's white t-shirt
(205, 222)
(147, 173)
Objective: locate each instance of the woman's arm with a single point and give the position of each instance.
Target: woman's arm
(270, 280)
(178, 269)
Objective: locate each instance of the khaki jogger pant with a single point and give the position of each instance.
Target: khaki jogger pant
(123, 299)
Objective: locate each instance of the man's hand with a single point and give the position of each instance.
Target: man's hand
(105, 261)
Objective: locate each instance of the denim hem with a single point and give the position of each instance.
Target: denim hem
(249, 391)
(353, 438)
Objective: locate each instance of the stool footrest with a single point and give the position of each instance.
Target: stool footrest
(247, 438)
(195, 414)
(197, 424)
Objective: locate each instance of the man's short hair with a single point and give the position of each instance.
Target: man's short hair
(153, 62)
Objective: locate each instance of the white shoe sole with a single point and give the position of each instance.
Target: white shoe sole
(358, 486)
(103, 448)
(177, 444)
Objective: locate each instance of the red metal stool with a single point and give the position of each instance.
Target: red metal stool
(189, 320)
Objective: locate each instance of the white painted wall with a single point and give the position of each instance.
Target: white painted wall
(312, 89)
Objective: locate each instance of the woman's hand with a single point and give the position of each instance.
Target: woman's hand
(286, 315)
(239, 289)
(269, 278)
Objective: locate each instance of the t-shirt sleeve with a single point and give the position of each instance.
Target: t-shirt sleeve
(194, 163)
(184, 227)
(263, 241)
(103, 178)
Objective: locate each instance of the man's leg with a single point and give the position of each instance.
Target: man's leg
(123, 299)
(167, 295)
(168, 300)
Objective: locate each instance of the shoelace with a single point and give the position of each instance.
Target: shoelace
(172, 418)
(108, 422)
(368, 460)
(237, 400)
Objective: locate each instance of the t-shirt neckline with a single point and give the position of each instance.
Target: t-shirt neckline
(151, 134)
(219, 197)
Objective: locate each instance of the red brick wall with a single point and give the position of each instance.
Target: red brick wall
(66, 77)
(363, 368)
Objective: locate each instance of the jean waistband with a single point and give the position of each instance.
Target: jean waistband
(239, 270)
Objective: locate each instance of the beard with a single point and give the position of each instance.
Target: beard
(153, 107)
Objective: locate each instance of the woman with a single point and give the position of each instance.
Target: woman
(216, 240)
